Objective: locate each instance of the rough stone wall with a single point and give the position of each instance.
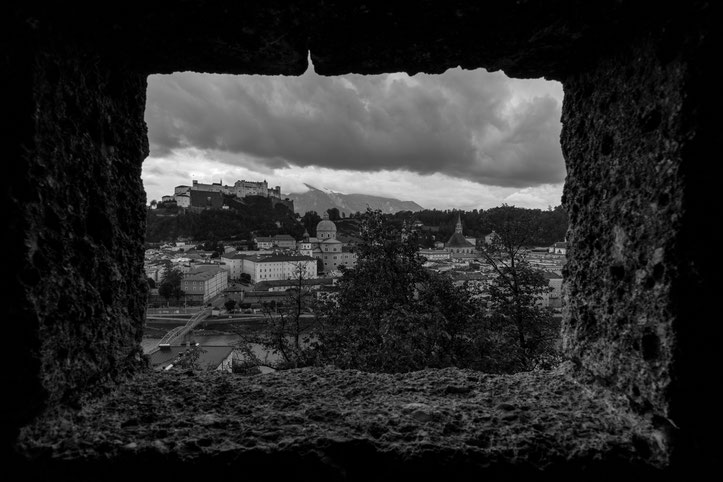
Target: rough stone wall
(80, 289)
(637, 124)
(636, 275)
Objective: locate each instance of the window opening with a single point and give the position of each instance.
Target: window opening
(457, 161)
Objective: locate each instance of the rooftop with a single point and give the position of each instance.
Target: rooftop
(201, 275)
(210, 356)
(457, 240)
(280, 257)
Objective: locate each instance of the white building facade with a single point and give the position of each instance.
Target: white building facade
(278, 267)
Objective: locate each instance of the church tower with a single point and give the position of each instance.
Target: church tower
(457, 244)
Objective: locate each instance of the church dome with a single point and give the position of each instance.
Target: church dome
(326, 229)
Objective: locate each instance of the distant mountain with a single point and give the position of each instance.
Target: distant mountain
(320, 200)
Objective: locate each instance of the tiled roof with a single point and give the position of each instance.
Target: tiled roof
(211, 356)
(235, 256)
(280, 257)
(201, 275)
(458, 241)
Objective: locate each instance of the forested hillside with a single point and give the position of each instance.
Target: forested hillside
(254, 215)
(257, 216)
(550, 225)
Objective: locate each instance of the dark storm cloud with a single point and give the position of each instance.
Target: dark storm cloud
(462, 123)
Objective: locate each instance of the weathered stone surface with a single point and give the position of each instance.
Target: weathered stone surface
(77, 205)
(638, 137)
(636, 274)
(394, 425)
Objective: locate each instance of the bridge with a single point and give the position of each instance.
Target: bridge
(180, 331)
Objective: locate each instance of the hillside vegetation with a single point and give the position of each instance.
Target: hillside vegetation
(254, 215)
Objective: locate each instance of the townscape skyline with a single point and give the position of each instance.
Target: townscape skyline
(457, 140)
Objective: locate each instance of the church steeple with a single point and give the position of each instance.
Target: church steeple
(458, 227)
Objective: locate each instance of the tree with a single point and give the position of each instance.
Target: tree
(212, 245)
(151, 283)
(391, 315)
(284, 332)
(170, 286)
(333, 214)
(310, 219)
(520, 328)
(245, 278)
(190, 359)
(230, 305)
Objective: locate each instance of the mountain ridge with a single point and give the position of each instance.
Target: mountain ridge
(320, 200)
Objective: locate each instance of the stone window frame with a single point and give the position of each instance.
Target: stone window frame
(673, 70)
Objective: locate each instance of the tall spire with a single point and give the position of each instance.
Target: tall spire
(458, 227)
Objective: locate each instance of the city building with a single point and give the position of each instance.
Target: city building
(280, 241)
(325, 246)
(553, 299)
(559, 248)
(264, 242)
(435, 254)
(490, 238)
(233, 264)
(155, 271)
(457, 243)
(204, 283)
(284, 241)
(278, 267)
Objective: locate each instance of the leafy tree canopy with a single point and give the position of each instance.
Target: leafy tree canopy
(170, 286)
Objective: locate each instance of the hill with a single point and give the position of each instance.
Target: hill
(254, 215)
(320, 200)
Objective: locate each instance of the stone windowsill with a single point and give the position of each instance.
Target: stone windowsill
(329, 423)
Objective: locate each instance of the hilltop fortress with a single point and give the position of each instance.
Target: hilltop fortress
(210, 195)
(240, 188)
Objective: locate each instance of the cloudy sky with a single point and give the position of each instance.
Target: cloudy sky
(463, 139)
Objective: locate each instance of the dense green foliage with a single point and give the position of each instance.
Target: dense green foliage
(310, 219)
(257, 216)
(389, 314)
(549, 226)
(170, 286)
(254, 214)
